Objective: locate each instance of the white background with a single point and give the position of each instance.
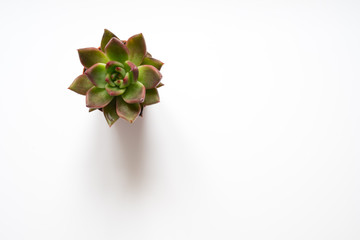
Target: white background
(256, 137)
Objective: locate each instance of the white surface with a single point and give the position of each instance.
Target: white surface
(257, 135)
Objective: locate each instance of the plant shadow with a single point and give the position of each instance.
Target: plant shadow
(130, 146)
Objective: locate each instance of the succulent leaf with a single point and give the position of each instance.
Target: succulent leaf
(127, 111)
(110, 113)
(81, 84)
(97, 98)
(116, 50)
(151, 97)
(133, 70)
(106, 38)
(149, 76)
(97, 74)
(137, 48)
(91, 56)
(160, 85)
(110, 66)
(127, 80)
(114, 91)
(153, 62)
(135, 93)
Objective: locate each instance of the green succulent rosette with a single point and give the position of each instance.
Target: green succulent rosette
(120, 78)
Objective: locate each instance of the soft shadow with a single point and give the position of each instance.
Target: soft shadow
(130, 145)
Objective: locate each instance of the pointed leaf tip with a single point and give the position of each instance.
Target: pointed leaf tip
(137, 48)
(116, 50)
(153, 62)
(160, 85)
(81, 84)
(127, 111)
(90, 56)
(110, 113)
(149, 76)
(106, 38)
(151, 97)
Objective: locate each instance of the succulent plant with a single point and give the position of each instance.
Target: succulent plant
(120, 77)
